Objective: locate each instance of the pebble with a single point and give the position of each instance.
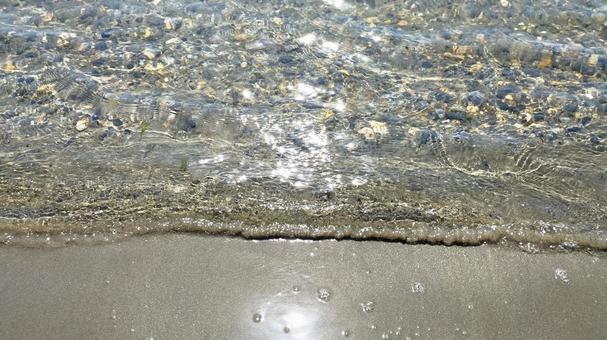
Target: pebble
(456, 115)
(505, 90)
(570, 108)
(476, 98)
(149, 53)
(82, 124)
(101, 46)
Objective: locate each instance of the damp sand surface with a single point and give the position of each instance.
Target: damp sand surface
(422, 122)
(191, 287)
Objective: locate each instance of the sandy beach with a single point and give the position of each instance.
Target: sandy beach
(184, 286)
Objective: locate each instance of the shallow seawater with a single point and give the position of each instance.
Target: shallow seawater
(417, 121)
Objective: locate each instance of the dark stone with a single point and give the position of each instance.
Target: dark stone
(550, 136)
(538, 117)
(533, 72)
(570, 108)
(443, 97)
(117, 122)
(456, 115)
(106, 34)
(602, 63)
(189, 123)
(501, 105)
(30, 54)
(484, 164)
(154, 20)
(285, 59)
(99, 62)
(476, 98)
(585, 120)
(106, 133)
(427, 136)
(594, 140)
(426, 64)
(97, 114)
(508, 73)
(101, 45)
(437, 114)
(194, 8)
(573, 129)
(26, 80)
(506, 90)
(8, 114)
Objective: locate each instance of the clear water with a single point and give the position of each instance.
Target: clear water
(418, 121)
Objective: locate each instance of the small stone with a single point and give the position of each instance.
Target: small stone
(168, 24)
(285, 59)
(427, 136)
(570, 108)
(101, 46)
(149, 53)
(9, 66)
(82, 124)
(472, 109)
(367, 133)
(505, 90)
(456, 115)
(443, 97)
(585, 120)
(593, 60)
(545, 61)
(379, 128)
(437, 114)
(148, 33)
(538, 117)
(476, 67)
(476, 98)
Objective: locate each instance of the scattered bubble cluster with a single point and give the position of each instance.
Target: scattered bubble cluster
(324, 294)
(368, 306)
(561, 274)
(418, 288)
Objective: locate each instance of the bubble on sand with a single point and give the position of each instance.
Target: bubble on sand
(324, 294)
(368, 306)
(418, 287)
(561, 274)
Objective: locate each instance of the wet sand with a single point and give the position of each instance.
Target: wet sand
(196, 287)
